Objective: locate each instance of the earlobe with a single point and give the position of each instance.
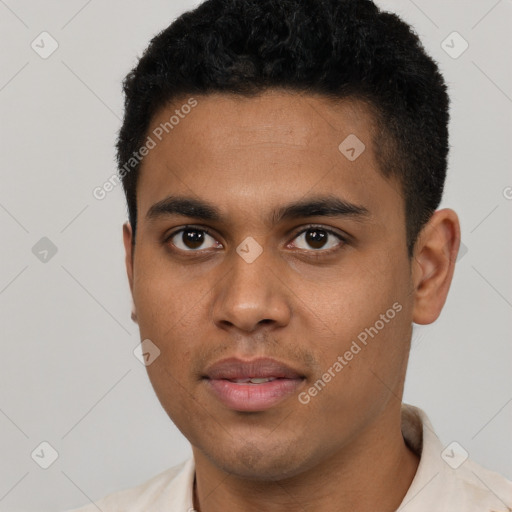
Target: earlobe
(435, 254)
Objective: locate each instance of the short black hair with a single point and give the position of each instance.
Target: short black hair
(340, 49)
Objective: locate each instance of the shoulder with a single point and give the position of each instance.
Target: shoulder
(479, 485)
(447, 480)
(143, 495)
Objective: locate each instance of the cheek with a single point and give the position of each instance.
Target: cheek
(172, 389)
(344, 301)
(364, 317)
(359, 371)
(165, 297)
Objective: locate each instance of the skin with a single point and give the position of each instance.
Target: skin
(343, 450)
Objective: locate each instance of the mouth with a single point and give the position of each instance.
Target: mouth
(254, 385)
(254, 380)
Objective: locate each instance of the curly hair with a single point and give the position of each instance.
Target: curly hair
(341, 49)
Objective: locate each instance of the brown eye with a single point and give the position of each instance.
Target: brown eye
(191, 239)
(318, 238)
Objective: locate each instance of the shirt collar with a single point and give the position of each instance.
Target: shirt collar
(446, 481)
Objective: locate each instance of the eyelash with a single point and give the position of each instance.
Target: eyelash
(315, 254)
(321, 253)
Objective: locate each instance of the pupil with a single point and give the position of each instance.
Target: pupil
(193, 238)
(316, 238)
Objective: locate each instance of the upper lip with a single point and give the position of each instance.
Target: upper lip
(234, 368)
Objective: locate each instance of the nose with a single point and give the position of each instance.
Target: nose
(252, 294)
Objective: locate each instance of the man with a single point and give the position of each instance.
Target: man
(282, 162)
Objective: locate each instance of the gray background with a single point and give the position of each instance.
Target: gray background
(68, 375)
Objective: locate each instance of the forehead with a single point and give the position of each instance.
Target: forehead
(271, 117)
(295, 117)
(276, 146)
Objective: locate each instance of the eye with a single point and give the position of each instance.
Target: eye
(194, 239)
(317, 237)
(191, 239)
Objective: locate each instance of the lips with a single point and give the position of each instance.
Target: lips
(251, 385)
(236, 369)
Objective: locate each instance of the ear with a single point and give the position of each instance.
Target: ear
(128, 249)
(435, 253)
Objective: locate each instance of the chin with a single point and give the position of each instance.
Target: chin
(260, 463)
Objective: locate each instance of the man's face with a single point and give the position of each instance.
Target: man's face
(300, 288)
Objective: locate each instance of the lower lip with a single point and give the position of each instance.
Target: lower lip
(253, 397)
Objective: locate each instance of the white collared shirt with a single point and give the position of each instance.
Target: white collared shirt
(445, 480)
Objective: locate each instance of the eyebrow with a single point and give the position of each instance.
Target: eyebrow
(320, 206)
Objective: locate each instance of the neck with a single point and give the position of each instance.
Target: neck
(372, 472)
